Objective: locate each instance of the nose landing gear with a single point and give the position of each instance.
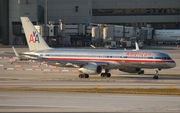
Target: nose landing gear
(156, 74)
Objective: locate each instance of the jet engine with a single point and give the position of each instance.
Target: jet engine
(91, 68)
(132, 70)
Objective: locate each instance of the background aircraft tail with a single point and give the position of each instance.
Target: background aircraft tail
(137, 46)
(34, 39)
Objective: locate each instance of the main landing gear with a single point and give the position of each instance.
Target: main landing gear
(83, 75)
(106, 74)
(156, 74)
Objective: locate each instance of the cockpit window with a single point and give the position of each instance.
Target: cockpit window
(166, 58)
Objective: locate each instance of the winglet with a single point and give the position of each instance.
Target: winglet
(15, 52)
(34, 39)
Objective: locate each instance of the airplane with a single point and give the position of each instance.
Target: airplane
(93, 61)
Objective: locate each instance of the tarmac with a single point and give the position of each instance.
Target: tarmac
(34, 101)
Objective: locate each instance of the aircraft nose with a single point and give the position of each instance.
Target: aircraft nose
(173, 64)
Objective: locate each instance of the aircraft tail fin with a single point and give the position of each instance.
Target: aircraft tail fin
(34, 39)
(93, 46)
(15, 52)
(137, 46)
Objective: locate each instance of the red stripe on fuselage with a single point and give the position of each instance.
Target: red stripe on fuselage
(109, 60)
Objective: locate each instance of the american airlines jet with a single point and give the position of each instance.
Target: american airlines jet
(93, 61)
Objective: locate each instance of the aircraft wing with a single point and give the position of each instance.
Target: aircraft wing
(73, 63)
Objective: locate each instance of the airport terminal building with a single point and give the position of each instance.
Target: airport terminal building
(161, 14)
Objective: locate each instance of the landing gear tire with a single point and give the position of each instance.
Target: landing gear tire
(156, 75)
(105, 74)
(108, 74)
(83, 76)
(86, 76)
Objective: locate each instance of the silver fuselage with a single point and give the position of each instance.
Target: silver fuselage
(115, 58)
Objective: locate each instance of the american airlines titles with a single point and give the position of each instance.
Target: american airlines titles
(138, 54)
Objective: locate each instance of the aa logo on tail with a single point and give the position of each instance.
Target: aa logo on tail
(34, 37)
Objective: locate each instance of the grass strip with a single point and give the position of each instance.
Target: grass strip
(165, 91)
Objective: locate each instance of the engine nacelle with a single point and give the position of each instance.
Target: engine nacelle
(132, 70)
(91, 68)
